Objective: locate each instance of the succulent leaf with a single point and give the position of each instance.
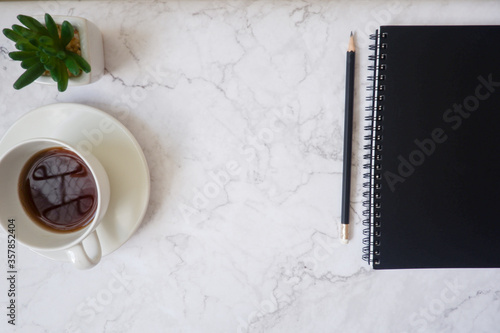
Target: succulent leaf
(62, 83)
(51, 27)
(49, 51)
(12, 35)
(72, 66)
(34, 42)
(30, 75)
(82, 63)
(67, 33)
(61, 54)
(44, 58)
(33, 24)
(29, 62)
(25, 46)
(54, 71)
(21, 55)
(50, 66)
(26, 33)
(48, 46)
(46, 41)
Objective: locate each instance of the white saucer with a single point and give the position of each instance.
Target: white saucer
(116, 149)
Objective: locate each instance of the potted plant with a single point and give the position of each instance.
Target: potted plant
(58, 52)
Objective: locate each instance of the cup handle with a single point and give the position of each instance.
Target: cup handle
(79, 257)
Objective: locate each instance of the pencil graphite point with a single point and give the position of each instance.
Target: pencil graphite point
(351, 47)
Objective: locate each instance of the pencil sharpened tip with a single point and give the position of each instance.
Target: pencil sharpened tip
(351, 47)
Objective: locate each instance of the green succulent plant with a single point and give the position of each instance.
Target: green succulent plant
(41, 48)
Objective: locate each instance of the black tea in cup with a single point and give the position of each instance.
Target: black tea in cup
(58, 191)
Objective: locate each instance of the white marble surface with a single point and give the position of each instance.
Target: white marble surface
(238, 106)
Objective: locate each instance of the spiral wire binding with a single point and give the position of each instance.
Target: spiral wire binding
(373, 148)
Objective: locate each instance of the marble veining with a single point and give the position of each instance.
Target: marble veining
(238, 106)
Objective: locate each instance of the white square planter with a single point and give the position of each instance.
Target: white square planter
(91, 47)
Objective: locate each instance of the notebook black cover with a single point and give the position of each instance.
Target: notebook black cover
(434, 148)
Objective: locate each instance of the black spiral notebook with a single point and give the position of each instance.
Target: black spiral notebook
(433, 148)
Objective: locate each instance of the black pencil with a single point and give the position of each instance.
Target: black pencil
(346, 180)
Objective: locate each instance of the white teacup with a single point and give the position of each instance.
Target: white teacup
(81, 245)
